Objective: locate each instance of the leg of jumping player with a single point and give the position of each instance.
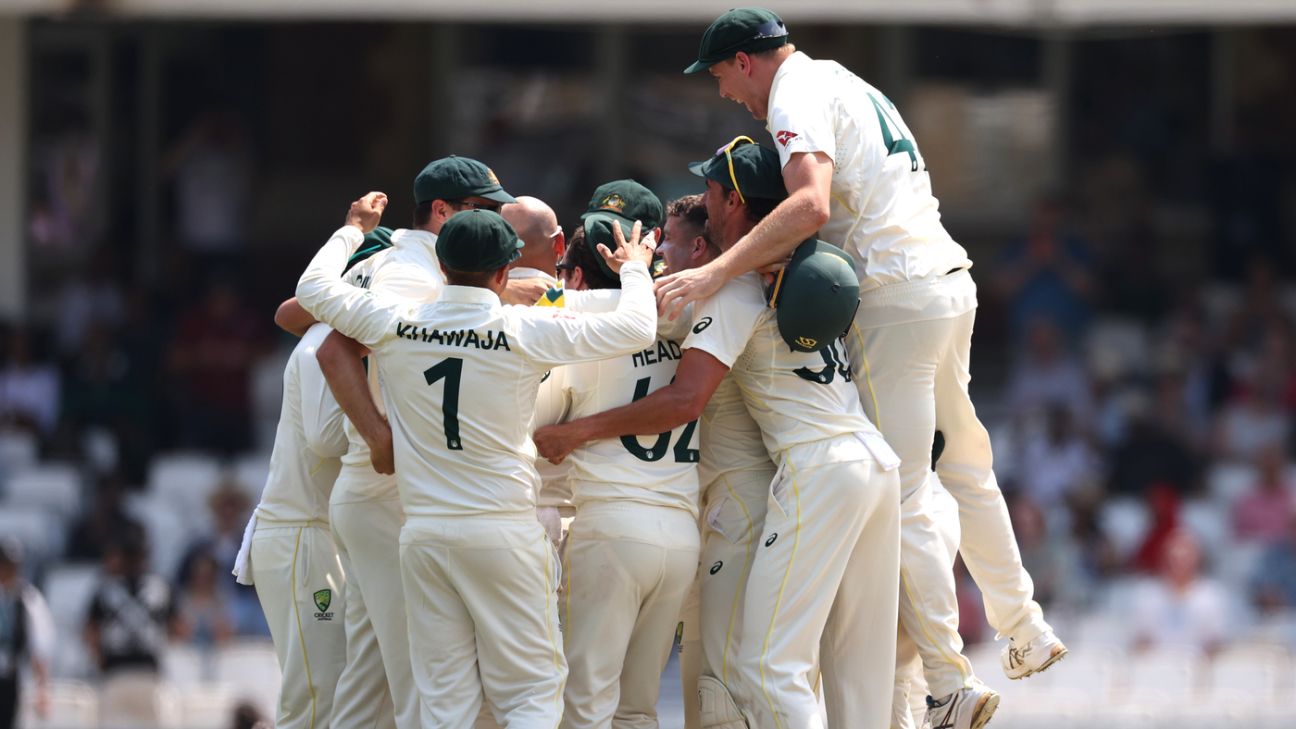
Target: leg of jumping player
(988, 546)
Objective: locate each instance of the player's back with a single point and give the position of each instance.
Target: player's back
(882, 210)
(308, 440)
(659, 469)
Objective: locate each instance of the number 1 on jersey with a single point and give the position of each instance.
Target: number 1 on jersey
(450, 369)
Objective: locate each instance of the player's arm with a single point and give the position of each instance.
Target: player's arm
(555, 337)
(697, 377)
(292, 318)
(321, 414)
(808, 177)
(367, 317)
(524, 291)
(341, 360)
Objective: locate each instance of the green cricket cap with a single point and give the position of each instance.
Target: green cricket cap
(815, 296)
(598, 229)
(375, 241)
(478, 240)
(629, 201)
(454, 178)
(741, 29)
(756, 170)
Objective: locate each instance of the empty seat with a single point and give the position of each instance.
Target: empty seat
(18, 450)
(70, 705)
(251, 670)
(1249, 672)
(169, 530)
(250, 471)
(1208, 523)
(185, 480)
(1226, 482)
(55, 487)
(40, 531)
(1125, 522)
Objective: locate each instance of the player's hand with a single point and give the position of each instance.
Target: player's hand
(556, 442)
(381, 453)
(638, 248)
(524, 291)
(366, 212)
(678, 290)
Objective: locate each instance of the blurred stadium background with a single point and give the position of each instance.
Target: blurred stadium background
(1123, 173)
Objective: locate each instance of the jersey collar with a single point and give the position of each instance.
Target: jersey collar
(406, 237)
(469, 295)
(528, 272)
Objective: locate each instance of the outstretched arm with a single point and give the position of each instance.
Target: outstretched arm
(697, 377)
(808, 177)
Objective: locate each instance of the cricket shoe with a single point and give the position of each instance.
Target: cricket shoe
(967, 708)
(1024, 659)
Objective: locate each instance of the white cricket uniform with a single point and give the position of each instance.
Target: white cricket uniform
(293, 563)
(632, 550)
(367, 519)
(554, 506)
(830, 557)
(460, 382)
(911, 339)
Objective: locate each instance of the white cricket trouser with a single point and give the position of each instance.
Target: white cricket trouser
(911, 347)
(302, 590)
(827, 568)
(362, 699)
(909, 707)
(690, 656)
(483, 616)
(627, 570)
(734, 523)
(369, 531)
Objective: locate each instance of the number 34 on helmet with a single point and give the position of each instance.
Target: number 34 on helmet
(815, 296)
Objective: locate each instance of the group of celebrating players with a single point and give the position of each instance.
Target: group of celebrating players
(509, 464)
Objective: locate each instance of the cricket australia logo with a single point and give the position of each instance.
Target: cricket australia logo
(323, 598)
(785, 137)
(807, 342)
(612, 202)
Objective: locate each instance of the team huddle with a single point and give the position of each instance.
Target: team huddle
(511, 463)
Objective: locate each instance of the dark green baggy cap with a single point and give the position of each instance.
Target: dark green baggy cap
(598, 229)
(478, 240)
(742, 29)
(815, 296)
(756, 170)
(629, 201)
(454, 178)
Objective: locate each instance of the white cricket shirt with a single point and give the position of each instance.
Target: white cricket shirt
(409, 269)
(883, 212)
(731, 439)
(460, 377)
(795, 397)
(308, 441)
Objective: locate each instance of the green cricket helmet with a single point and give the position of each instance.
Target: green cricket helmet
(815, 296)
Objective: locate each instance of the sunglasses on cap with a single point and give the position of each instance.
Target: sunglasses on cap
(764, 31)
(727, 151)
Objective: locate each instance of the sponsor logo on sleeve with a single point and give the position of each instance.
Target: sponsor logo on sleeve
(785, 137)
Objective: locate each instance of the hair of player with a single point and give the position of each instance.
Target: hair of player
(758, 207)
(692, 211)
(768, 52)
(423, 214)
(478, 279)
(580, 255)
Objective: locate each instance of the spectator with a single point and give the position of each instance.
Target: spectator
(1048, 374)
(131, 616)
(215, 345)
(1180, 607)
(213, 171)
(1263, 513)
(1152, 454)
(1047, 274)
(102, 524)
(204, 613)
(1163, 504)
(1057, 461)
(1274, 583)
(92, 297)
(29, 385)
(26, 631)
(1094, 556)
(1254, 422)
(230, 508)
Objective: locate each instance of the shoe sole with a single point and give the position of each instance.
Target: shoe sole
(985, 710)
(1058, 654)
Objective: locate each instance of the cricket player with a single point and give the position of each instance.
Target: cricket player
(632, 551)
(735, 472)
(854, 172)
(366, 508)
(290, 556)
(460, 381)
(537, 226)
(829, 557)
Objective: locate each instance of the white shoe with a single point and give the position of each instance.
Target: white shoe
(967, 708)
(1020, 661)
